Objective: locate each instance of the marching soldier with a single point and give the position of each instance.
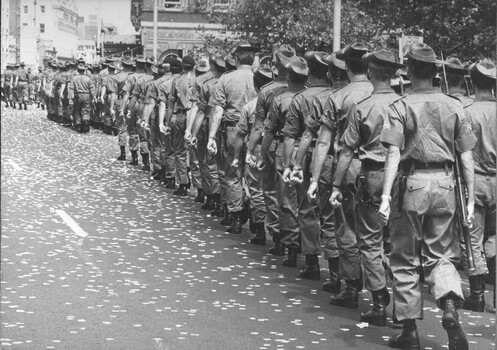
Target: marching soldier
(21, 84)
(264, 100)
(232, 92)
(181, 99)
(363, 135)
(453, 79)
(108, 91)
(297, 73)
(50, 90)
(481, 115)
(40, 87)
(81, 94)
(7, 77)
(425, 132)
(252, 175)
(121, 79)
(333, 124)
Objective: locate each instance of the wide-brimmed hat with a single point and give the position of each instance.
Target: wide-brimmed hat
(485, 68)
(219, 59)
(382, 57)
(284, 53)
(155, 69)
(316, 57)
(264, 73)
(454, 65)
(203, 65)
(81, 66)
(230, 59)
(150, 60)
(244, 46)
(298, 65)
(140, 59)
(356, 50)
(332, 60)
(188, 61)
(174, 62)
(422, 53)
(128, 61)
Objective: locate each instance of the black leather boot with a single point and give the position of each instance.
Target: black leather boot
(146, 162)
(85, 126)
(134, 158)
(277, 248)
(311, 270)
(226, 221)
(236, 223)
(349, 297)
(291, 259)
(450, 322)
(259, 237)
(408, 339)
(158, 174)
(377, 316)
(123, 153)
(181, 191)
(218, 208)
(171, 183)
(476, 300)
(42, 107)
(25, 106)
(200, 198)
(333, 283)
(209, 204)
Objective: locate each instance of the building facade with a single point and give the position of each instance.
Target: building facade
(48, 28)
(180, 27)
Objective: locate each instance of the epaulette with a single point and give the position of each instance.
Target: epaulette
(266, 85)
(205, 81)
(397, 100)
(470, 104)
(226, 73)
(364, 99)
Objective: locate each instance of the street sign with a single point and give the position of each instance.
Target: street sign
(407, 40)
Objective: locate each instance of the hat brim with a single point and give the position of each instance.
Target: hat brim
(220, 62)
(371, 58)
(202, 69)
(331, 60)
(489, 73)
(299, 71)
(419, 59)
(282, 58)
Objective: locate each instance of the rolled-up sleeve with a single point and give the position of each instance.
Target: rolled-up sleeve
(393, 129)
(351, 137)
(218, 97)
(328, 118)
(272, 120)
(465, 138)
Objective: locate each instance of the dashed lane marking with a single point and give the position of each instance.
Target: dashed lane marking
(71, 223)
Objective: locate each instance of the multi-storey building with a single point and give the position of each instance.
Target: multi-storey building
(4, 26)
(179, 26)
(48, 28)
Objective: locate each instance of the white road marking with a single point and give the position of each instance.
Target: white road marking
(14, 164)
(71, 223)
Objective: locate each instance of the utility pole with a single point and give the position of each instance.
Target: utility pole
(337, 8)
(155, 29)
(99, 26)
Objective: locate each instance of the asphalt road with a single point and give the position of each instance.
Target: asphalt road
(95, 255)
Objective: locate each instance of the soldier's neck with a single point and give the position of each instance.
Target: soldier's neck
(379, 85)
(484, 94)
(357, 77)
(316, 80)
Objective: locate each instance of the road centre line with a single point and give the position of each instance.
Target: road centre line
(71, 223)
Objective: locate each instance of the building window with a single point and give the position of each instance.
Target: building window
(172, 4)
(42, 7)
(42, 27)
(24, 24)
(25, 8)
(66, 16)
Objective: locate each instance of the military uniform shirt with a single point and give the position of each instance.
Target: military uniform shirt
(140, 82)
(232, 92)
(82, 84)
(340, 102)
(265, 97)
(366, 120)
(247, 118)
(200, 81)
(117, 82)
(22, 74)
(8, 74)
(183, 91)
(153, 89)
(481, 115)
(426, 124)
(110, 84)
(165, 88)
(300, 108)
(130, 82)
(206, 93)
(313, 118)
(278, 110)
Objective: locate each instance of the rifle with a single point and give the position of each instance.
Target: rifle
(461, 198)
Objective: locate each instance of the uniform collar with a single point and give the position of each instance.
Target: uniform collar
(432, 90)
(383, 91)
(482, 99)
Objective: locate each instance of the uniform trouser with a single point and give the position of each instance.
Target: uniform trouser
(7, 90)
(326, 209)
(31, 92)
(369, 229)
(59, 106)
(489, 246)
(108, 118)
(223, 184)
(22, 91)
(348, 251)
(167, 155)
(423, 236)
(155, 141)
(253, 180)
(308, 213)
(288, 205)
(270, 196)
(51, 105)
(483, 223)
(195, 168)
(132, 128)
(234, 188)
(122, 129)
(82, 106)
(207, 162)
(179, 147)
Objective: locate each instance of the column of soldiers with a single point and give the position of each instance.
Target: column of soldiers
(324, 153)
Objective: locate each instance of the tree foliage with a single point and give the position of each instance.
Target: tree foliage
(465, 28)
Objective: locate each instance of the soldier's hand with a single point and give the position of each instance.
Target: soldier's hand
(313, 190)
(336, 197)
(188, 135)
(384, 211)
(250, 159)
(235, 163)
(162, 129)
(286, 174)
(297, 176)
(193, 141)
(212, 146)
(261, 163)
(71, 102)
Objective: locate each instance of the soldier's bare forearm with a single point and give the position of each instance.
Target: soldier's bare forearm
(343, 165)
(322, 147)
(215, 121)
(468, 172)
(255, 136)
(288, 145)
(305, 144)
(391, 168)
(197, 122)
